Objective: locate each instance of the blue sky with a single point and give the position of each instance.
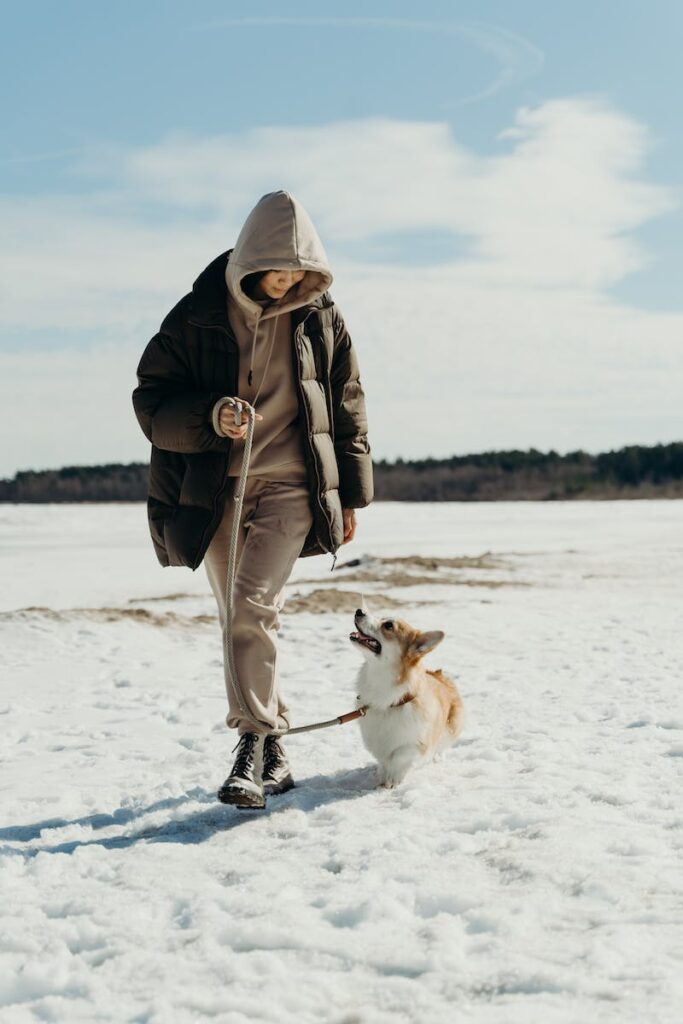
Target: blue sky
(138, 136)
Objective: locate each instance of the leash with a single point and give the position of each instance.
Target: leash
(350, 716)
(227, 627)
(232, 557)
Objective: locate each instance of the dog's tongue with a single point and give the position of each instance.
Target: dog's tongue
(367, 641)
(359, 635)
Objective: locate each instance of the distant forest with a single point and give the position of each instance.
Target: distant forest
(633, 472)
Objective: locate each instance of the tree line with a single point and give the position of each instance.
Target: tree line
(636, 471)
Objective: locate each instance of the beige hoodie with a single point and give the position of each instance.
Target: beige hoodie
(278, 234)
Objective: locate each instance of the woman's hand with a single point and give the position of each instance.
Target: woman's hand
(227, 423)
(349, 515)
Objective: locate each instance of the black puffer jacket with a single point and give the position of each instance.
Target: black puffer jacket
(192, 362)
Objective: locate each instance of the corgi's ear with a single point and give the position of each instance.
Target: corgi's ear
(427, 641)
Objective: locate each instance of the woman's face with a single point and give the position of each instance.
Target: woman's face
(275, 283)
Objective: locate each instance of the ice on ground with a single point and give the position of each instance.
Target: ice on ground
(533, 874)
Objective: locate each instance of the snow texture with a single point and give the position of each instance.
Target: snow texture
(533, 874)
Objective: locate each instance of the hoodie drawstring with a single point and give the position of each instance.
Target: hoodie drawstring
(251, 361)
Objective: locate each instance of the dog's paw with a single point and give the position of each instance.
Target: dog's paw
(392, 781)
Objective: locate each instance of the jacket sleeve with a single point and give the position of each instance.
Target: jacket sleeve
(356, 487)
(173, 414)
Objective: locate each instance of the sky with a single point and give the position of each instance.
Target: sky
(497, 187)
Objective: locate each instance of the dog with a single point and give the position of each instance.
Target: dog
(412, 712)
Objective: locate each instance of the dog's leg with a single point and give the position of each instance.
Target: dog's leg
(396, 767)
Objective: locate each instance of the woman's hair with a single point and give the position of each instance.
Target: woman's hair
(249, 282)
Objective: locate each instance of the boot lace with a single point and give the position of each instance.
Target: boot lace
(273, 756)
(244, 762)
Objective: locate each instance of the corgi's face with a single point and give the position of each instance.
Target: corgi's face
(391, 643)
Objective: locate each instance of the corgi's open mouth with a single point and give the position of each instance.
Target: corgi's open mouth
(367, 641)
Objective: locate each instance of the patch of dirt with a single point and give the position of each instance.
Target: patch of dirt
(485, 561)
(330, 599)
(111, 615)
(400, 571)
(407, 579)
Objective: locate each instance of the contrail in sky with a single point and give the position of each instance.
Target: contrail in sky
(517, 57)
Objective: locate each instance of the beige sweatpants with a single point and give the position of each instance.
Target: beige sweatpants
(276, 517)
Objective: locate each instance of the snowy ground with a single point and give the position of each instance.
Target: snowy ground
(533, 875)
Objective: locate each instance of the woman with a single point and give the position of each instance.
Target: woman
(259, 326)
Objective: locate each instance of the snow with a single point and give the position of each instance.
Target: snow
(532, 875)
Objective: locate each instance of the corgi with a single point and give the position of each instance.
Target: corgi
(411, 713)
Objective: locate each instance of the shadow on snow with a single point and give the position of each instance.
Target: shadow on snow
(308, 794)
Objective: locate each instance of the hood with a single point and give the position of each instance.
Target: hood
(278, 234)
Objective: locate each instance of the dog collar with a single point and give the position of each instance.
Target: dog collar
(405, 699)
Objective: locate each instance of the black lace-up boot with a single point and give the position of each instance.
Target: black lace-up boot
(243, 786)
(276, 774)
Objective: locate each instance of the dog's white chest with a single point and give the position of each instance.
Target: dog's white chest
(386, 730)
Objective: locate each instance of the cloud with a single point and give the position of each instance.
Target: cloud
(516, 342)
